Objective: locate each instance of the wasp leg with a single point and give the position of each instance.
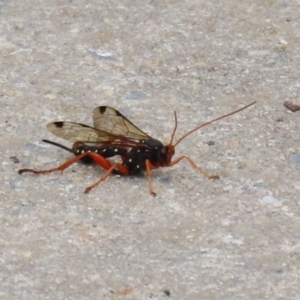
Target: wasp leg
(98, 159)
(177, 160)
(121, 168)
(104, 163)
(149, 168)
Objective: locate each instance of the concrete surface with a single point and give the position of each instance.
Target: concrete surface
(235, 238)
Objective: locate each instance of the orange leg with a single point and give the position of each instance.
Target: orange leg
(177, 160)
(149, 168)
(100, 160)
(121, 168)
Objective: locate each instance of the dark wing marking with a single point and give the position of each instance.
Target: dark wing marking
(110, 120)
(77, 132)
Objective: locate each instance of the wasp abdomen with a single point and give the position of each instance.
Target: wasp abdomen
(103, 151)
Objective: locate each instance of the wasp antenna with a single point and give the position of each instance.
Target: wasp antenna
(172, 137)
(58, 145)
(209, 122)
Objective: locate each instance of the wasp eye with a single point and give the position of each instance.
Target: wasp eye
(163, 150)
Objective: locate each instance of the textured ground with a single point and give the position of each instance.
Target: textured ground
(235, 238)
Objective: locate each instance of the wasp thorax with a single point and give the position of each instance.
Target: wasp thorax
(152, 143)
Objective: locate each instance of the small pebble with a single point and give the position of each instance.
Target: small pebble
(270, 200)
(101, 56)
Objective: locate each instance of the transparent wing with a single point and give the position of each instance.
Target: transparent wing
(110, 120)
(77, 132)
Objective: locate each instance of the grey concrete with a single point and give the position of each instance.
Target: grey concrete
(235, 238)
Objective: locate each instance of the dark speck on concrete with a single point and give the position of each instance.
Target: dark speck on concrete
(21, 210)
(14, 159)
(260, 185)
(165, 180)
(167, 292)
(295, 158)
(15, 183)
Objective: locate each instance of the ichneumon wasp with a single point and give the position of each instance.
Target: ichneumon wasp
(114, 135)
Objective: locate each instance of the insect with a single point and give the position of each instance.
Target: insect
(114, 135)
